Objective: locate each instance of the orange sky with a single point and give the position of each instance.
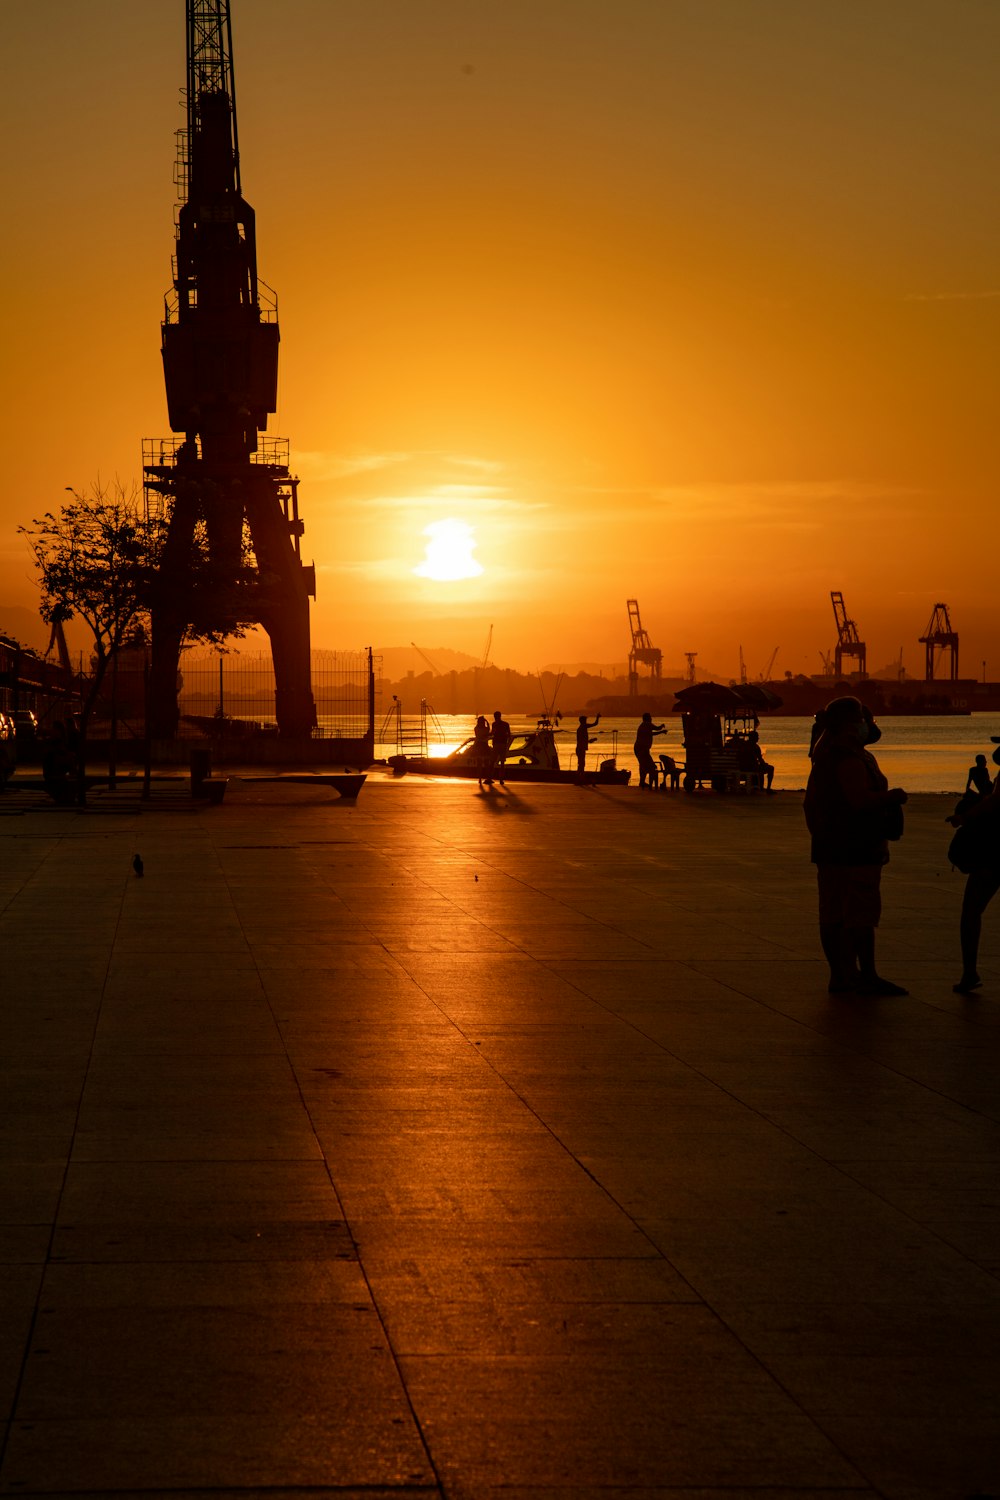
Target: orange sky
(691, 300)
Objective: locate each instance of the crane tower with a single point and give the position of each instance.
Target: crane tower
(849, 642)
(231, 555)
(643, 651)
(939, 636)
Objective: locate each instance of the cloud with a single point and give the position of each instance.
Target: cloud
(478, 499)
(952, 296)
(443, 493)
(320, 465)
(776, 505)
(325, 466)
(484, 465)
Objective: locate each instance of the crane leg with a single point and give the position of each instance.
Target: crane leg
(285, 609)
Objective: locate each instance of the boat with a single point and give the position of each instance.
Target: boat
(530, 757)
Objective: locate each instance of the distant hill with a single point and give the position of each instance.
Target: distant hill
(610, 670)
(398, 660)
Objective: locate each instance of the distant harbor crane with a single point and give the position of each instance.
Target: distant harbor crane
(643, 651)
(478, 675)
(849, 643)
(424, 657)
(939, 637)
(690, 655)
(765, 676)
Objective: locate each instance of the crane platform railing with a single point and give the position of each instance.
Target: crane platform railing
(161, 453)
(267, 299)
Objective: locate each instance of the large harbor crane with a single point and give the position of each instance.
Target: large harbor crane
(939, 637)
(643, 651)
(230, 503)
(849, 642)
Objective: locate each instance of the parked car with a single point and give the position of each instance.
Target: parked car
(8, 747)
(26, 725)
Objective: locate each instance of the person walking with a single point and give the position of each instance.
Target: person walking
(500, 738)
(851, 812)
(583, 741)
(643, 749)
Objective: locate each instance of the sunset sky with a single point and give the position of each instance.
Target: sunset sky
(696, 301)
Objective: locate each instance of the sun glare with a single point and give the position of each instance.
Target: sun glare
(449, 551)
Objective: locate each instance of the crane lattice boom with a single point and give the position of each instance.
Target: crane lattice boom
(849, 642)
(232, 554)
(643, 652)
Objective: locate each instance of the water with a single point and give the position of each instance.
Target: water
(930, 754)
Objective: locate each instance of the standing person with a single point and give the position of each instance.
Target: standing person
(850, 812)
(583, 741)
(643, 748)
(982, 878)
(481, 734)
(500, 738)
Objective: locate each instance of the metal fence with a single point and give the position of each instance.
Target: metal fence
(231, 693)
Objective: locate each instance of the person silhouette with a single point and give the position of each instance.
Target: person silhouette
(481, 750)
(849, 806)
(978, 784)
(979, 779)
(583, 741)
(643, 749)
(982, 881)
(756, 761)
(500, 738)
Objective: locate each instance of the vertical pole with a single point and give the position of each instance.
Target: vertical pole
(371, 700)
(147, 754)
(221, 702)
(113, 743)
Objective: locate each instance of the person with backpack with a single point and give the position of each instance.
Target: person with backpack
(975, 850)
(851, 812)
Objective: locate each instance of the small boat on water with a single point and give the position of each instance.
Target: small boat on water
(530, 757)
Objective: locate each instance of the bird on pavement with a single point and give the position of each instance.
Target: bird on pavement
(137, 864)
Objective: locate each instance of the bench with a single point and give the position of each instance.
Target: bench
(347, 783)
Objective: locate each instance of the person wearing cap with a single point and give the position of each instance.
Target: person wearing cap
(850, 812)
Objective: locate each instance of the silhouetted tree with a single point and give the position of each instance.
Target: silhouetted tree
(96, 558)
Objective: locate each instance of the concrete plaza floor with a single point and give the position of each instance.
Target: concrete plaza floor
(482, 1144)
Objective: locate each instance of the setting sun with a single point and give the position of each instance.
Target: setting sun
(449, 552)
